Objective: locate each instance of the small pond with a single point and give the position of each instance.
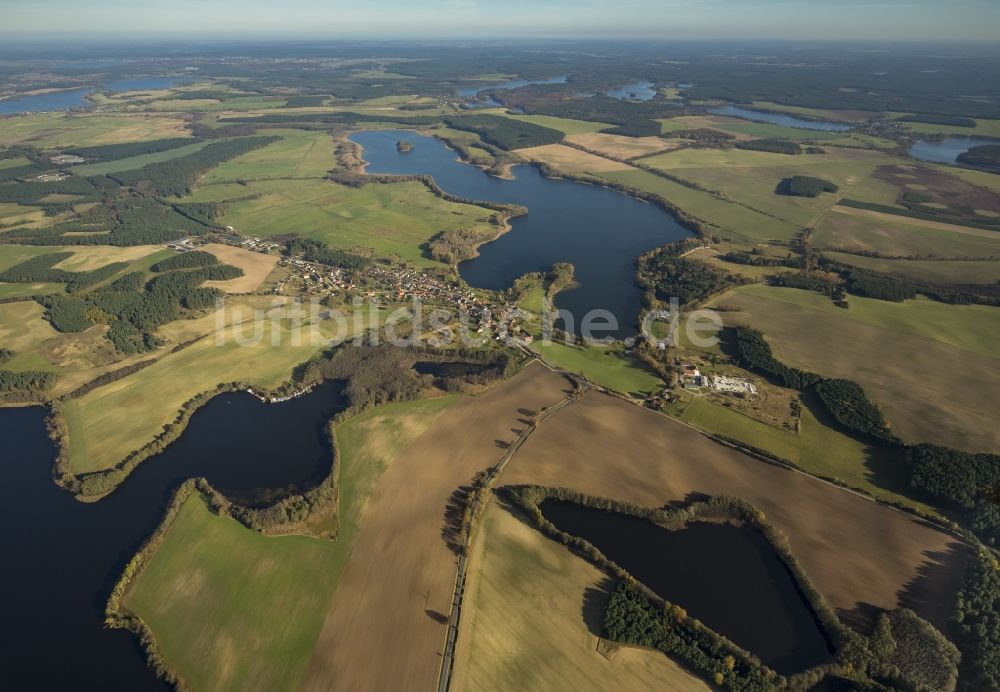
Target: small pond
(726, 576)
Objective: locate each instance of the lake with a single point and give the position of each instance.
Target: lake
(636, 91)
(726, 576)
(62, 556)
(780, 119)
(77, 98)
(599, 230)
(490, 102)
(947, 150)
(55, 101)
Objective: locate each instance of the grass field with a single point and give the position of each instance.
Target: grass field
(391, 220)
(529, 616)
(607, 367)
(931, 366)
(619, 146)
(604, 446)
(134, 162)
(983, 128)
(571, 160)
(399, 581)
(88, 129)
(111, 421)
(206, 629)
(938, 271)
(564, 125)
(298, 154)
(730, 219)
(897, 236)
(751, 177)
(232, 609)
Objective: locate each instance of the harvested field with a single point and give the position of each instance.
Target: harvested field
(901, 237)
(530, 617)
(931, 367)
(397, 586)
(255, 265)
(621, 147)
(885, 216)
(858, 553)
(571, 160)
(936, 271)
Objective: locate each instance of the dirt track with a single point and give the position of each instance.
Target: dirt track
(385, 630)
(857, 553)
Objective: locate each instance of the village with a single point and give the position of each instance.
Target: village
(485, 312)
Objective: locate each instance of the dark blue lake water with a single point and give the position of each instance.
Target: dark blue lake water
(62, 556)
(636, 91)
(77, 98)
(598, 230)
(56, 101)
(728, 577)
(780, 119)
(471, 92)
(947, 150)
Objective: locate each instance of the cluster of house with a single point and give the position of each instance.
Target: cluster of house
(184, 244)
(252, 243)
(396, 284)
(50, 177)
(692, 377)
(66, 159)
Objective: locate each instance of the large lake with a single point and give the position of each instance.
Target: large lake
(77, 98)
(598, 230)
(730, 578)
(948, 149)
(780, 119)
(62, 556)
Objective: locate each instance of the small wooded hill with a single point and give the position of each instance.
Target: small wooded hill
(805, 186)
(986, 156)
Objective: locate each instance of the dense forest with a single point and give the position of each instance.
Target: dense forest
(25, 384)
(977, 617)
(850, 406)
(113, 152)
(931, 119)
(123, 222)
(985, 156)
(133, 308)
(186, 260)
(320, 253)
(774, 146)
(754, 353)
(41, 269)
(505, 133)
(668, 274)
(175, 177)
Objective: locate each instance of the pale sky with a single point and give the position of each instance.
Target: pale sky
(945, 20)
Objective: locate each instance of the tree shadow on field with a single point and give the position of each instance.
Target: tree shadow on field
(930, 594)
(595, 602)
(437, 617)
(860, 618)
